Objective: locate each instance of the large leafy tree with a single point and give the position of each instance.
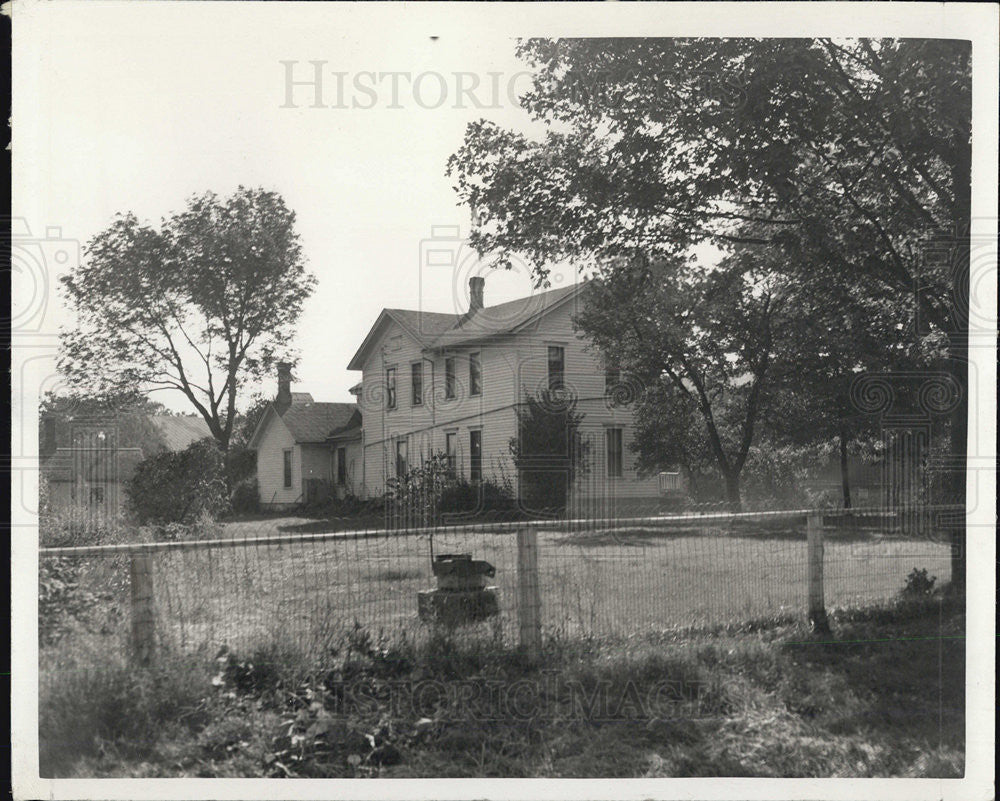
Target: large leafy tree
(705, 340)
(202, 304)
(848, 156)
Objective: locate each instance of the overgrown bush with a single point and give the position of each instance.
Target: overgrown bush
(245, 499)
(179, 487)
(63, 604)
(548, 451)
(416, 493)
(462, 496)
(918, 584)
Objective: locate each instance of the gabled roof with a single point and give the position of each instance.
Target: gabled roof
(179, 431)
(310, 422)
(435, 330)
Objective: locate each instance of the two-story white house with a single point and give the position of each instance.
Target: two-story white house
(451, 383)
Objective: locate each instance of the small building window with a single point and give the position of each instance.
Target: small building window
(449, 377)
(475, 456)
(557, 367)
(401, 454)
(417, 383)
(475, 374)
(450, 439)
(287, 456)
(97, 495)
(613, 437)
(390, 388)
(341, 466)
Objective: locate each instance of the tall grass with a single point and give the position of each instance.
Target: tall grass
(770, 700)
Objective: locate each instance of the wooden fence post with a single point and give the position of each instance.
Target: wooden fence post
(143, 617)
(814, 545)
(529, 602)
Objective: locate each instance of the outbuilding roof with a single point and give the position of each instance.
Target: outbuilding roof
(314, 422)
(179, 431)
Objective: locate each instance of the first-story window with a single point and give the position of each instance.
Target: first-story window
(475, 456)
(341, 466)
(287, 467)
(390, 388)
(450, 441)
(417, 383)
(401, 453)
(613, 437)
(97, 494)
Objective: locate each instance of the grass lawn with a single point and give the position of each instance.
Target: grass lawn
(884, 696)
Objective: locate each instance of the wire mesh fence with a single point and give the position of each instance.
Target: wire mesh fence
(303, 589)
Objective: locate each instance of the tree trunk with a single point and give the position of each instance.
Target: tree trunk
(733, 498)
(845, 481)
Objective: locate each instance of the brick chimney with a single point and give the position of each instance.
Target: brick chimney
(476, 284)
(284, 397)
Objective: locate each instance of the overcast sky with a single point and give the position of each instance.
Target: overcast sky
(137, 106)
(137, 111)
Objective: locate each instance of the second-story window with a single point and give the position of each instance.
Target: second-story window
(449, 377)
(475, 374)
(557, 367)
(390, 388)
(417, 383)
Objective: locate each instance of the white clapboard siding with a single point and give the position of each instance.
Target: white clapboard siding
(512, 366)
(270, 466)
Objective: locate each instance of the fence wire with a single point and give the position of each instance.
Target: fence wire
(302, 588)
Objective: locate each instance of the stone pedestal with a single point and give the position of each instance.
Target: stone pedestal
(455, 607)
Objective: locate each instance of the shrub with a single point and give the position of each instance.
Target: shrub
(548, 451)
(245, 498)
(487, 496)
(415, 494)
(179, 487)
(918, 584)
(62, 602)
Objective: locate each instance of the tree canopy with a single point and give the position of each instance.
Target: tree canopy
(848, 155)
(845, 163)
(202, 304)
